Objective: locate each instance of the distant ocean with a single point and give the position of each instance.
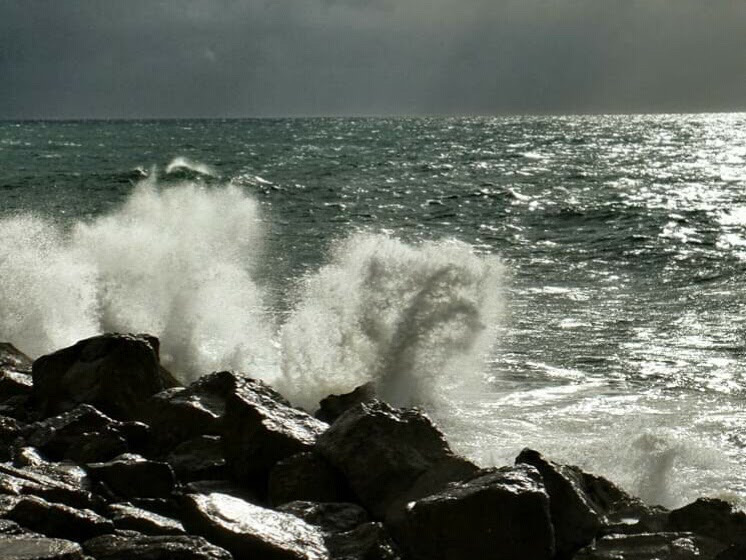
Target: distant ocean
(573, 284)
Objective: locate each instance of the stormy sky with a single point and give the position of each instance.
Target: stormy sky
(243, 58)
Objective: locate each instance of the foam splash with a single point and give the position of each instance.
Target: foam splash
(405, 317)
(174, 262)
(182, 164)
(180, 262)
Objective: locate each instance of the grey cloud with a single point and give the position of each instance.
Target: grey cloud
(141, 58)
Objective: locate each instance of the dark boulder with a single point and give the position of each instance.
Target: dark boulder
(575, 517)
(306, 476)
(37, 548)
(369, 541)
(623, 512)
(58, 520)
(82, 434)
(250, 531)
(115, 373)
(260, 428)
(200, 458)
(651, 546)
(182, 413)
(383, 451)
(334, 517)
(502, 513)
(713, 518)
(132, 476)
(333, 406)
(128, 517)
(143, 547)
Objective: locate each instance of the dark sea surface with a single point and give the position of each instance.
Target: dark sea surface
(321, 253)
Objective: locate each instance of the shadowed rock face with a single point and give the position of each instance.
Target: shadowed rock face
(183, 413)
(260, 428)
(575, 518)
(711, 517)
(57, 520)
(115, 373)
(250, 531)
(210, 452)
(502, 513)
(132, 476)
(306, 476)
(382, 451)
(140, 547)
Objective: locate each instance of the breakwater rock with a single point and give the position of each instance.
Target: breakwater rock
(104, 456)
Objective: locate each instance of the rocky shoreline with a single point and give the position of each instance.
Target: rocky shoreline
(105, 456)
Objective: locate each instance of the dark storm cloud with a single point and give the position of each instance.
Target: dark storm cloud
(105, 58)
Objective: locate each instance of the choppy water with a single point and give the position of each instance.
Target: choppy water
(576, 284)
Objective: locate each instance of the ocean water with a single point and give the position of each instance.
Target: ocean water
(573, 284)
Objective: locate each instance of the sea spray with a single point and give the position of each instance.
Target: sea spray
(48, 296)
(406, 317)
(176, 262)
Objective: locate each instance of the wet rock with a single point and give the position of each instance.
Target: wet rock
(29, 459)
(505, 510)
(10, 430)
(221, 487)
(129, 517)
(383, 451)
(260, 428)
(58, 520)
(143, 547)
(183, 413)
(575, 518)
(200, 458)
(83, 434)
(713, 518)
(25, 481)
(15, 372)
(115, 373)
(333, 406)
(334, 517)
(132, 476)
(623, 512)
(368, 541)
(651, 546)
(250, 531)
(306, 476)
(35, 548)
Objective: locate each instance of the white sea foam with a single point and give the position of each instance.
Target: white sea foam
(407, 318)
(180, 262)
(181, 163)
(175, 262)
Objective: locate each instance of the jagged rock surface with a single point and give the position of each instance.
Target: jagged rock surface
(651, 546)
(250, 531)
(333, 406)
(132, 476)
(143, 547)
